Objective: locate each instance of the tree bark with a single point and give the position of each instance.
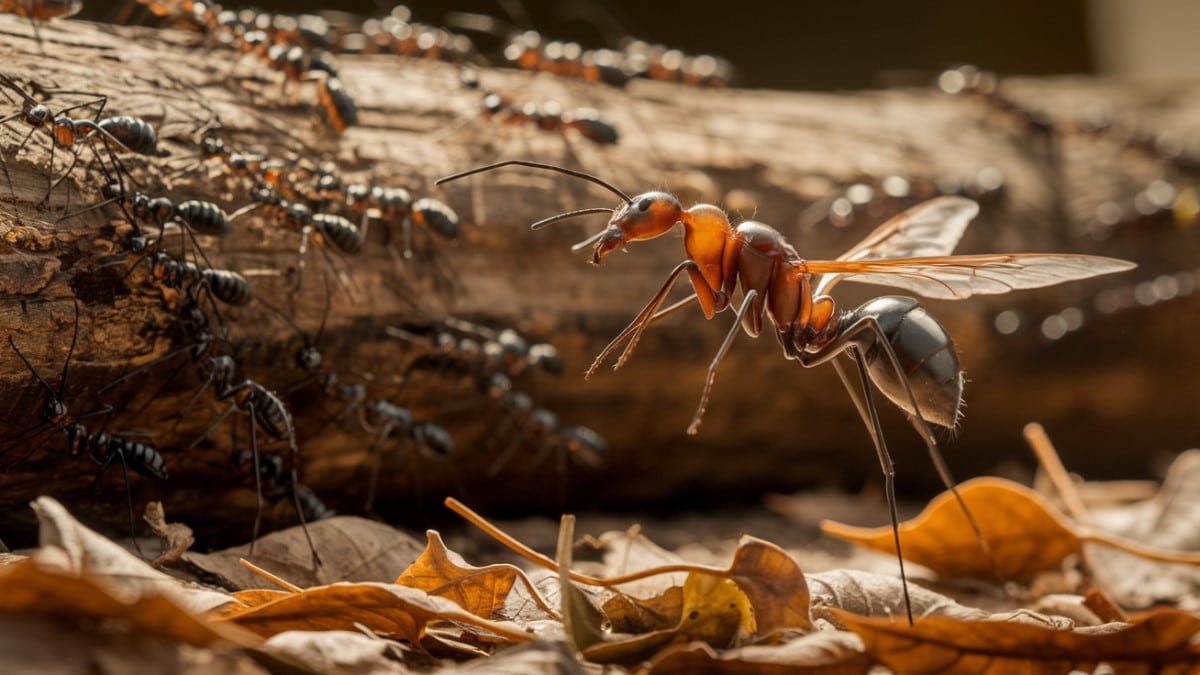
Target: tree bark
(1121, 386)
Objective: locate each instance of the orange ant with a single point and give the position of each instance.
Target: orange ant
(894, 343)
(38, 11)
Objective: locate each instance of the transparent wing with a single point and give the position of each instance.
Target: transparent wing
(929, 229)
(959, 277)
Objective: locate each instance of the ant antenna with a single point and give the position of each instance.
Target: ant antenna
(24, 360)
(62, 382)
(570, 214)
(537, 165)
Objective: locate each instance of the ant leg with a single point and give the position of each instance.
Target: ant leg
(694, 427)
(258, 496)
(634, 330)
(865, 404)
(406, 237)
(511, 449)
(214, 425)
(120, 454)
(848, 338)
(376, 462)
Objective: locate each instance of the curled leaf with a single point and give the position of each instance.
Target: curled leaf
(483, 591)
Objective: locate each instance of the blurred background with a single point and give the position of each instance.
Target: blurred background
(854, 44)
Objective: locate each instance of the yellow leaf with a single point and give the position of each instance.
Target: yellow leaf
(481, 591)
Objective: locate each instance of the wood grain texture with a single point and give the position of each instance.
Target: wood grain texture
(1121, 388)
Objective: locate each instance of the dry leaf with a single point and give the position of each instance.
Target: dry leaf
(483, 591)
(50, 645)
(869, 594)
(74, 550)
(715, 611)
(1025, 534)
(1157, 642)
(176, 537)
(627, 614)
(335, 652)
(352, 549)
(542, 657)
(31, 589)
(821, 653)
(775, 585)
(387, 609)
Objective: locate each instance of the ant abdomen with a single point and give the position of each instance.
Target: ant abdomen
(926, 354)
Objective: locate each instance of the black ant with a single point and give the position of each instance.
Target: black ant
(100, 447)
(398, 34)
(263, 409)
(277, 484)
(910, 251)
(542, 428)
(388, 420)
(341, 233)
(310, 360)
(395, 206)
(483, 353)
(227, 286)
(550, 116)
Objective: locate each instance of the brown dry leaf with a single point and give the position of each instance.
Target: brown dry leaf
(387, 609)
(176, 537)
(1025, 534)
(775, 585)
(31, 589)
(51, 645)
(352, 549)
(483, 591)
(542, 657)
(75, 550)
(821, 653)
(627, 614)
(335, 651)
(1157, 642)
(870, 594)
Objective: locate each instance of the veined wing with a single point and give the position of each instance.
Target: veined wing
(929, 229)
(959, 277)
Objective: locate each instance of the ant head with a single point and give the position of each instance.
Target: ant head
(38, 115)
(112, 190)
(54, 410)
(309, 358)
(646, 216)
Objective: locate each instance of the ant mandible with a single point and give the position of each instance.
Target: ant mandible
(894, 343)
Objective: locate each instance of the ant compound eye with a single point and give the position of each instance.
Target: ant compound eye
(645, 204)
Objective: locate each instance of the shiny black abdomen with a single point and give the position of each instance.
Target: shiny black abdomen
(926, 354)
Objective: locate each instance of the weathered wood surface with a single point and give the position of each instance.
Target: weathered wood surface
(1118, 390)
